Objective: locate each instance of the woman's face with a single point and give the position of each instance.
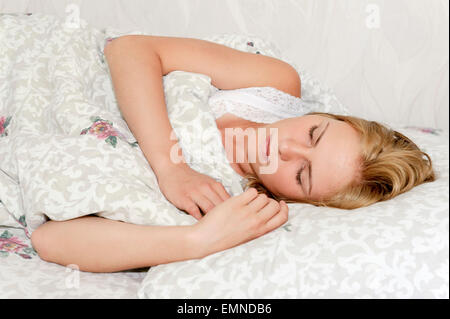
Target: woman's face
(308, 165)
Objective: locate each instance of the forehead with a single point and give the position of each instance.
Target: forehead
(334, 161)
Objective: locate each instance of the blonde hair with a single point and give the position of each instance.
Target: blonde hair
(390, 164)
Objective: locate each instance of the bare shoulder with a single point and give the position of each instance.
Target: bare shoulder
(228, 68)
(293, 85)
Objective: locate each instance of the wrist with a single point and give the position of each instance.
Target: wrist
(195, 241)
(163, 166)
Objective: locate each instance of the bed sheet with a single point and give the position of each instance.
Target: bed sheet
(24, 275)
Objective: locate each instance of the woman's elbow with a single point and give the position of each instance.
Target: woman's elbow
(42, 243)
(295, 83)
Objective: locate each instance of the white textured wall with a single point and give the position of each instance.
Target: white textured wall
(386, 60)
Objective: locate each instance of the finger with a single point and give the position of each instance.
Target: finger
(279, 219)
(212, 195)
(247, 196)
(193, 210)
(220, 189)
(258, 203)
(204, 203)
(270, 210)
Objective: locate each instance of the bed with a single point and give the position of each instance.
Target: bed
(394, 249)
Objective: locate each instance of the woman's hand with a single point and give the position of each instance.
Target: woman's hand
(238, 220)
(190, 190)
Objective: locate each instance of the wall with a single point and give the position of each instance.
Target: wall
(386, 60)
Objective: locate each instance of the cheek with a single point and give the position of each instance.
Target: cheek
(282, 182)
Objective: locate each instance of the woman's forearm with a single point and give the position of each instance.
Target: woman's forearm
(97, 244)
(137, 79)
(100, 245)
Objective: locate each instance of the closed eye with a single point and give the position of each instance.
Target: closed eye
(311, 136)
(316, 142)
(311, 131)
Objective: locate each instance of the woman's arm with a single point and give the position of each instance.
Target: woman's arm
(228, 68)
(136, 73)
(97, 244)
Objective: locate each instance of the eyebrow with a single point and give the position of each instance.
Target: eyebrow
(310, 167)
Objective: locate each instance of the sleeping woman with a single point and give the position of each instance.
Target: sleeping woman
(322, 159)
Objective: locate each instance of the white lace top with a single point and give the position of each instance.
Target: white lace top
(258, 104)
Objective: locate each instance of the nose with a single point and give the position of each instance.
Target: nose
(290, 149)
